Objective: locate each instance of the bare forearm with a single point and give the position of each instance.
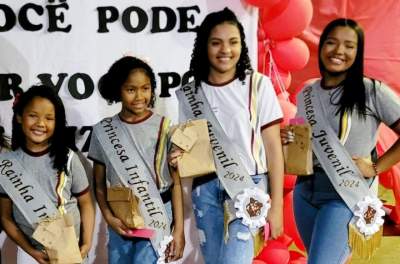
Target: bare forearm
(274, 154)
(275, 169)
(99, 173)
(177, 204)
(273, 151)
(390, 158)
(16, 234)
(87, 218)
(101, 195)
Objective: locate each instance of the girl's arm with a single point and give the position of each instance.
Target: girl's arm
(13, 231)
(178, 244)
(99, 173)
(273, 150)
(86, 210)
(385, 162)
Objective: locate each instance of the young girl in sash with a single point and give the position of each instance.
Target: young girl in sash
(244, 116)
(129, 150)
(45, 177)
(345, 109)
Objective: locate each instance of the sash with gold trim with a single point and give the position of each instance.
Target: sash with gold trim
(365, 228)
(251, 202)
(134, 172)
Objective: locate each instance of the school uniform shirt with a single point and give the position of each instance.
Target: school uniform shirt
(147, 135)
(232, 104)
(61, 191)
(382, 106)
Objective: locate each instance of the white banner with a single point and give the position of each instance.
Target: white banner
(69, 45)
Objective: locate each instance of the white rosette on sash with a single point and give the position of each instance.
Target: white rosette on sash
(252, 205)
(163, 247)
(369, 215)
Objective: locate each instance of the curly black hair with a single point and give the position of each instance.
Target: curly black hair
(199, 64)
(58, 148)
(110, 83)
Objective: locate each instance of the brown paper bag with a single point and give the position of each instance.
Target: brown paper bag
(197, 159)
(298, 154)
(125, 206)
(58, 237)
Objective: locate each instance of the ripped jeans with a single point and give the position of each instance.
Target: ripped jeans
(208, 206)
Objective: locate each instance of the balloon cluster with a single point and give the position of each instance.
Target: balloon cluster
(279, 50)
(279, 53)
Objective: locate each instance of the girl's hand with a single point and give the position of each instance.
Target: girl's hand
(175, 247)
(365, 166)
(117, 225)
(40, 256)
(275, 220)
(84, 249)
(287, 136)
(173, 156)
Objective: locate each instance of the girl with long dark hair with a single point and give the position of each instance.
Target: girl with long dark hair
(336, 208)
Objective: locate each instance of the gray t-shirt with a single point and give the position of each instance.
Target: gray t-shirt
(383, 106)
(40, 166)
(147, 134)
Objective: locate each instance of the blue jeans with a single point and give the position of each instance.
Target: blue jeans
(123, 250)
(322, 219)
(208, 206)
(126, 250)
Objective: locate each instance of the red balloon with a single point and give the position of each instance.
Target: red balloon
(263, 3)
(289, 224)
(285, 239)
(263, 56)
(297, 258)
(296, 90)
(302, 260)
(285, 79)
(290, 22)
(289, 111)
(261, 34)
(274, 253)
(290, 55)
(258, 261)
(295, 255)
(289, 181)
(281, 79)
(273, 11)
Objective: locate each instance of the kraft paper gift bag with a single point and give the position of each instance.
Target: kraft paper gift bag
(298, 154)
(197, 159)
(58, 237)
(125, 206)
